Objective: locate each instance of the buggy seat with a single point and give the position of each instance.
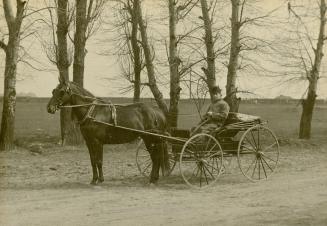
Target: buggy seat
(239, 118)
(236, 122)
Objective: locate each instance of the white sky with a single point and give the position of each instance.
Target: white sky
(101, 71)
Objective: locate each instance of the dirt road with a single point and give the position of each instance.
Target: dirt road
(51, 187)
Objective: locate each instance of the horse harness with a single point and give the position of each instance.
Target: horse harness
(90, 114)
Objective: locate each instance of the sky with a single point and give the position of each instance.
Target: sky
(102, 71)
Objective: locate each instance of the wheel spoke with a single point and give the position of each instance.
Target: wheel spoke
(250, 143)
(268, 157)
(205, 175)
(255, 143)
(200, 176)
(145, 169)
(213, 167)
(146, 163)
(189, 151)
(255, 166)
(270, 146)
(248, 148)
(254, 160)
(208, 144)
(258, 138)
(263, 167)
(267, 164)
(192, 174)
(259, 169)
(212, 148)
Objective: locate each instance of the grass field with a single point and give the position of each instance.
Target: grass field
(33, 119)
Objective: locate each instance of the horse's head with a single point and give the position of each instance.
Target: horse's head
(61, 95)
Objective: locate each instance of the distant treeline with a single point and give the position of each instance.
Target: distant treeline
(126, 100)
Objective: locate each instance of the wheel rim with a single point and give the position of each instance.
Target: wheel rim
(201, 161)
(258, 153)
(144, 162)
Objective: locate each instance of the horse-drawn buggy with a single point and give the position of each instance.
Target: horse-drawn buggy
(204, 157)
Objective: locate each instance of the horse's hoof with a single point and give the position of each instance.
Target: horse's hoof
(100, 180)
(153, 184)
(93, 182)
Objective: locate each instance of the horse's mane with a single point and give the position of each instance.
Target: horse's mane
(80, 90)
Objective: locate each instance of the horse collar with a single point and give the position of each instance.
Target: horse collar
(89, 113)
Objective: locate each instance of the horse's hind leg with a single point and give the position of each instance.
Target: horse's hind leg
(152, 149)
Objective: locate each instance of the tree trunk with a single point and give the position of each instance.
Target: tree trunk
(210, 70)
(9, 98)
(12, 51)
(79, 42)
(163, 153)
(308, 104)
(149, 64)
(306, 117)
(174, 62)
(231, 89)
(136, 55)
(69, 131)
(137, 87)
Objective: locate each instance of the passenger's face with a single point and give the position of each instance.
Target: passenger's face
(216, 97)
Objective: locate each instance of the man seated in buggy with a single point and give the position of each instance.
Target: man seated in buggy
(215, 116)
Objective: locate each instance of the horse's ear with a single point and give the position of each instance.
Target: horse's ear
(61, 81)
(68, 89)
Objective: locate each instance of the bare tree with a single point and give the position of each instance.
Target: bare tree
(127, 46)
(174, 62)
(149, 60)
(176, 12)
(210, 71)
(69, 132)
(61, 16)
(14, 22)
(312, 69)
(137, 58)
(87, 13)
(235, 48)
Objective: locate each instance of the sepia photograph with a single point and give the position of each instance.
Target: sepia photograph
(163, 112)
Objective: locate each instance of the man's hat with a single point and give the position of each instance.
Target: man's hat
(216, 90)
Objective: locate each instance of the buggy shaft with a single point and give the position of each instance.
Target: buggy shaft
(142, 132)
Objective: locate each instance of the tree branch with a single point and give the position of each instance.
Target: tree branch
(3, 46)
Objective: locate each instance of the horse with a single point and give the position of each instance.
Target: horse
(89, 111)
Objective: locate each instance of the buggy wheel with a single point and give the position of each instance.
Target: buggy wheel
(258, 153)
(201, 161)
(144, 162)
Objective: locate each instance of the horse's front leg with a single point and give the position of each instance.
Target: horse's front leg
(99, 161)
(93, 158)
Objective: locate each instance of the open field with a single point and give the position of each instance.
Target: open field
(44, 184)
(32, 117)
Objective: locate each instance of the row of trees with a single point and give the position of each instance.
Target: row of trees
(73, 22)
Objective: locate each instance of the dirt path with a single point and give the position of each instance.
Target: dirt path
(52, 189)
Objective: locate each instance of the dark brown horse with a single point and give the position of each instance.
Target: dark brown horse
(86, 107)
